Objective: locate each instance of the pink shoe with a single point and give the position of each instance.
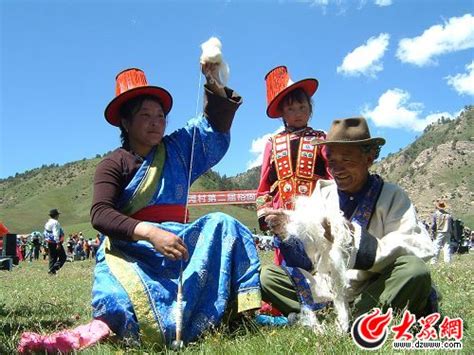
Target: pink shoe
(65, 341)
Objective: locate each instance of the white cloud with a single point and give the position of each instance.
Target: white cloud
(258, 147)
(341, 5)
(383, 2)
(320, 2)
(463, 83)
(316, 2)
(394, 110)
(456, 34)
(366, 59)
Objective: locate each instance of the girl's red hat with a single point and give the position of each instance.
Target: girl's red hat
(279, 84)
(129, 84)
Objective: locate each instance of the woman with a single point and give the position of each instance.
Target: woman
(291, 166)
(139, 203)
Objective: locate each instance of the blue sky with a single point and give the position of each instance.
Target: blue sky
(401, 63)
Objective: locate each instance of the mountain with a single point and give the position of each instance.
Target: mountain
(438, 164)
(26, 198)
(248, 180)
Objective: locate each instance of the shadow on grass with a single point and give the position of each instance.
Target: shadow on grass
(31, 318)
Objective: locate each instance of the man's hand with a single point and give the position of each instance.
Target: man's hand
(327, 230)
(277, 221)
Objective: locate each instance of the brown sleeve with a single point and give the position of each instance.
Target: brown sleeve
(220, 111)
(109, 182)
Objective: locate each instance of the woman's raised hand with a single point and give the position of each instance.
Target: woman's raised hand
(211, 72)
(213, 81)
(167, 243)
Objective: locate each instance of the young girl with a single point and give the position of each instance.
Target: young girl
(291, 165)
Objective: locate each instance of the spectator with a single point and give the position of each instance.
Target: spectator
(54, 235)
(441, 231)
(36, 241)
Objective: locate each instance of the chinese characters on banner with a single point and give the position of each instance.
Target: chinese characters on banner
(238, 197)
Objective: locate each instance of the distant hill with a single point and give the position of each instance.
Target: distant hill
(26, 198)
(438, 164)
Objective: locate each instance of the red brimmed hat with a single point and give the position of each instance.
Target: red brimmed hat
(131, 83)
(279, 84)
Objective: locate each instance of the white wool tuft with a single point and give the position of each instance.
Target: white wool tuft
(329, 259)
(212, 53)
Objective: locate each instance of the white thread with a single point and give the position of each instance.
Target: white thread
(179, 296)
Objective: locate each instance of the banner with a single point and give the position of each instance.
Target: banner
(237, 197)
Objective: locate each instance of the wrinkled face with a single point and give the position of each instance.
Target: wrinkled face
(349, 166)
(297, 113)
(146, 128)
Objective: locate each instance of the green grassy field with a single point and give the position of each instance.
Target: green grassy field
(30, 300)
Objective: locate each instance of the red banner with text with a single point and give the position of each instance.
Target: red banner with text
(237, 197)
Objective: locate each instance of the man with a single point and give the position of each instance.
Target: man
(386, 267)
(441, 229)
(36, 241)
(54, 235)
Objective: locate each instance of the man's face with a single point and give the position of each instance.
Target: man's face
(349, 166)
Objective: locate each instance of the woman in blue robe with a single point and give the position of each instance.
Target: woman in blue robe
(139, 203)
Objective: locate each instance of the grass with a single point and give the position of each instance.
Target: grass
(32, 301)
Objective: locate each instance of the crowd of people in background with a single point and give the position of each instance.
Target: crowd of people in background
(77, 247)
(449, 234)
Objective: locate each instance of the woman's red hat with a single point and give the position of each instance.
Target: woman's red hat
(129, 84)
(279, 84)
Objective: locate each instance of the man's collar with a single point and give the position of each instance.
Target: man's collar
(359, 194)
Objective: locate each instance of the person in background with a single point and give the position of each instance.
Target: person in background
(44, 249)
(54, 235)
(36, 241)
(95, 245)
(291, 166)
(441, 229)
(87, 248)
(3, 232)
